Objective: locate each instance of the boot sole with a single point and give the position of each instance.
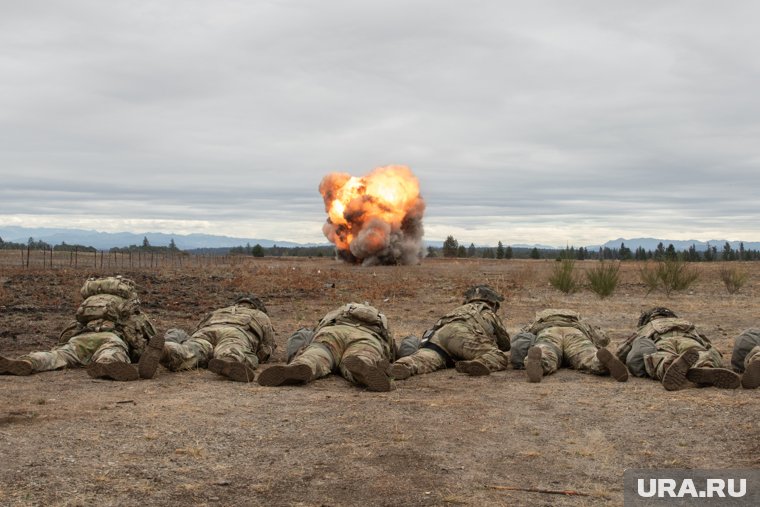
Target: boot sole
(617, 369)
(472, 368)
(123, 372)
(533, 366)
(370, 376)
(675, 376)
(717, 377)
(15, 367)
(150, 357)
(278, 375)
(399, 372)
(234, 370)
(751, 377)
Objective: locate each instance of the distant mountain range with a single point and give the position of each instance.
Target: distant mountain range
(106, 240)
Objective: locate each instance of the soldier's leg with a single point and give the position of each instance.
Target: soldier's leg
(315, 361)
(77, 352)
(111, 360)
(657, 363)
(751, 377)
(478, 354)
(709, 371)
(421, 362)
(743, 345)
(192, 353)
(580, 352)
(583, 355)
(364, 363)
(545, 356)
(235, 355)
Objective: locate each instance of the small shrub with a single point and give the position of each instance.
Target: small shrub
(563, 277)
(668, 275)
(603, 279)
(733, 278)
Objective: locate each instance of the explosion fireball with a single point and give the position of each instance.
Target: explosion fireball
(375, 219)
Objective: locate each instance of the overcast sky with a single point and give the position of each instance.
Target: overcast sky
(550, 122)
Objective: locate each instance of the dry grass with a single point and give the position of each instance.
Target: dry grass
(192, 438)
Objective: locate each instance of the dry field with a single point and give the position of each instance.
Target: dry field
(194, 438)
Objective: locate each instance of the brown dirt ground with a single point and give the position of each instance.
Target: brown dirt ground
(194, 438)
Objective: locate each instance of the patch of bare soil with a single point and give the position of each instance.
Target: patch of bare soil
(194, 438)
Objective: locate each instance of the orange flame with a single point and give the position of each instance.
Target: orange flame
(388, 194)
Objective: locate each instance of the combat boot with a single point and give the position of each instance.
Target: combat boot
(399, 371)
(617, 369)
(372, 376)
(717, 377)
(472, 368)
(114, 371)
(15, 367)
(533, 366)
(285, 375)
(675, 375)
(235, 370)
(751, 377)
(150, 357)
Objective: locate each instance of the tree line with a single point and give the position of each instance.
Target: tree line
(451, 248)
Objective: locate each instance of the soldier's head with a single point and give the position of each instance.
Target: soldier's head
(483, 293)
(252, 301)
(658, 312)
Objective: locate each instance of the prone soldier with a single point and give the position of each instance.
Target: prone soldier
(109, 335)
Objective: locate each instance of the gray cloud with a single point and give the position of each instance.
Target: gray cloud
(553, 122)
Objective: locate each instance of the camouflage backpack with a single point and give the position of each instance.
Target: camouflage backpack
(115, 285)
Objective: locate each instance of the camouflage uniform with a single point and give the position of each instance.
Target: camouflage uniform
(110, 330)
(562, 338)
(353, 340)
(673, 351)
(746, 358)
(237, 333)
(470, 332)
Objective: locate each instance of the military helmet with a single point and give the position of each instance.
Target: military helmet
(483, 293)
(253, 301)
(655, 313)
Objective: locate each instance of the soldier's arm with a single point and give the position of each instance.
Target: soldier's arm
(502, 335)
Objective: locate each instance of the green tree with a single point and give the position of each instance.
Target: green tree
(461, 251)
(670, 253)
(471, 251)
(625, 252)
(146, 243)
(508, 252)
(431, 252)
(534, 254)
(500, 251)
(257, 250)
(450, 247)
(728, 252)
